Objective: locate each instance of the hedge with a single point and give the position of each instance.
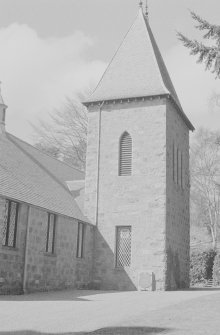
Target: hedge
(201, 266)
(216, 270)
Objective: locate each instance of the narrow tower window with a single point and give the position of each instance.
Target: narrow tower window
(177, 166)
(173, 162)
(180, 168)
(125, 155)
(182, 182)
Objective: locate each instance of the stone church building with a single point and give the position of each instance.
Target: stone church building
(125, 225)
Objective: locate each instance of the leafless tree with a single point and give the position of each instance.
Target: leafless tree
(65, 134)
(205, 171)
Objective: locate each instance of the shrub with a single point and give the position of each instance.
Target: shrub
(216, 270)
(201, 266)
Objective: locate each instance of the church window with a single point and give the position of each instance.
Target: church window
(80, 240)
(177, 166)
(50, 234)
(180, 168)
(10, 224)
(173, 162)
(123, 247)
(182, 181)
(125, 155)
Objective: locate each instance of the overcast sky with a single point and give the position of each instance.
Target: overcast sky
(51, 49)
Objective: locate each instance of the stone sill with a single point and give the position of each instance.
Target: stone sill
(122, 269)
(49, 254)
(178, 188)
(80, 259)
(6, 247)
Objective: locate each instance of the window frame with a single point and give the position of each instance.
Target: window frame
(6, 242)
(180, 168)
(120, 156)
(174, 163)
(80, 240)
(117, 229)
(177, 166)
(47, 249)
(182, 171)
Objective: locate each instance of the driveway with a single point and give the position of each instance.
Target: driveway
(94, 312)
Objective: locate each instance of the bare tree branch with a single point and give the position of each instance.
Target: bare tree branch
(65, 134)
(205, 169)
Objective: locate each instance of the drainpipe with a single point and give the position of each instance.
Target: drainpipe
(96, 283)
(98, 163)
(24, 284)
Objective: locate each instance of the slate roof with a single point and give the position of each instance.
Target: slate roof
(80, 197)
(60, 170)
(28, 175)
(137, 69)
(77, 189)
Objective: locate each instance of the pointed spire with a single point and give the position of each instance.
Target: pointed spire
(141, 4)
(146, 9)
(137, 69)
(2, 113)
(1, 99)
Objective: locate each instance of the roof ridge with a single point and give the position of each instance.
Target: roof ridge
(161, 63)
(39, 164)
(46, 154)
(154, 44)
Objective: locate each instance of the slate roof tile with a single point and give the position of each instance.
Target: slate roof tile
(25, 179)
(59, 169)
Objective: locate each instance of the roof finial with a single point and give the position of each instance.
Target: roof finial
(1, 100)
(146, 9)
(2, 114)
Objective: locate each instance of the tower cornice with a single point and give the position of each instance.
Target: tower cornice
(127, 100)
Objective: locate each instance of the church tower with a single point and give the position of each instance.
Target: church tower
(137, 170)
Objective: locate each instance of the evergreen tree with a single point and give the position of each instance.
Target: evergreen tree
(209, 55)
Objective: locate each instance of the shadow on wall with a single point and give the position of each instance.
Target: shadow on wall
(103, 331)
(173, 271)
(105, 275)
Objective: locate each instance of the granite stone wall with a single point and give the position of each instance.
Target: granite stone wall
(28, 268)
(62, 269)
(12, 259)
(138, 200)
(178, 216)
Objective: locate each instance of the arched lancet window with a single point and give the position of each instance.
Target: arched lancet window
(174, 165)
(125, 155)
(177, 165)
